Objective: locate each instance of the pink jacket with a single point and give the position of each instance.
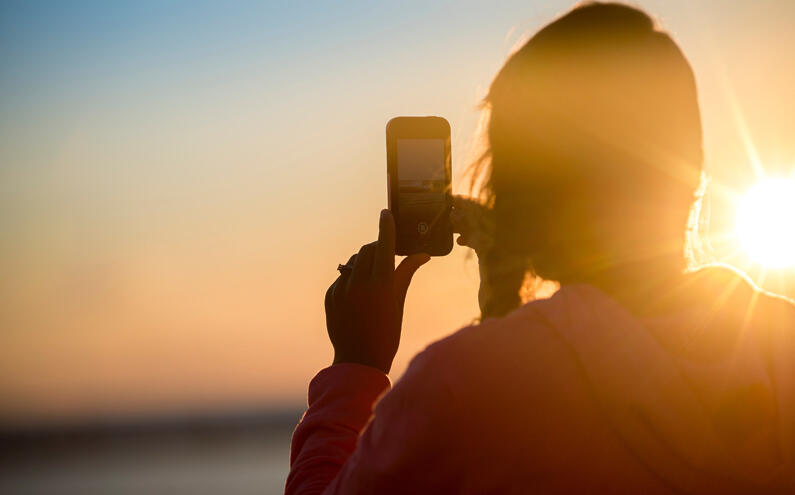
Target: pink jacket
(570, 394)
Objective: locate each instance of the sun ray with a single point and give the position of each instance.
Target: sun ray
(742, 127)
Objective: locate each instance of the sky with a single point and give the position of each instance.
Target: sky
(179, 180)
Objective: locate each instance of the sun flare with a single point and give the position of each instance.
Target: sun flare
(766, 222)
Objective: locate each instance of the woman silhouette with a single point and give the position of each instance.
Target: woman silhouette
(639, 375)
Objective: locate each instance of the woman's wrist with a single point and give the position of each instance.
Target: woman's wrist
(381, 365)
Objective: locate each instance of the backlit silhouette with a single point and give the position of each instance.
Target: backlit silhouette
(641, 374)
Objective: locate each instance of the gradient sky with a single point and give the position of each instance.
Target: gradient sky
(178, 180)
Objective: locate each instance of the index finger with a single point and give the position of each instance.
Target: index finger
(462, 201)
(384, 263)
(458, 220)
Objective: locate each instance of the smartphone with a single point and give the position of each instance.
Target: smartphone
(419, 177)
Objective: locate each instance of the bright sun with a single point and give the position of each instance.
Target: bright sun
(766, 223)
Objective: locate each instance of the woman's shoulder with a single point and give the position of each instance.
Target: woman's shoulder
(523, 343)
(495, 332)
(517, 366)
(734, 296)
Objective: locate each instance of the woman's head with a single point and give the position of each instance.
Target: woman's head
(594, 144)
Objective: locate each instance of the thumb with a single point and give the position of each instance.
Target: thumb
(404, 272)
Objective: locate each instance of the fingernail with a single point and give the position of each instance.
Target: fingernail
(384, 214)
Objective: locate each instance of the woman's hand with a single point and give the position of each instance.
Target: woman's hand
(475, 226)
(502, 274)
(364, 306)
(473, 221)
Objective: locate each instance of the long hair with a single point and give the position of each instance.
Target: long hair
(594, 148)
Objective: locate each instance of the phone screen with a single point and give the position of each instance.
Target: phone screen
(422, 183)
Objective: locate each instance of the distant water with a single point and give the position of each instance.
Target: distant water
(227, 456)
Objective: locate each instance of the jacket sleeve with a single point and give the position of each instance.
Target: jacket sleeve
(341, 399)
(413, 444)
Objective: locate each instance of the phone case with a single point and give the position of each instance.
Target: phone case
(419, 230)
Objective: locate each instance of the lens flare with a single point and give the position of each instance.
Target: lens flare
(766, 223)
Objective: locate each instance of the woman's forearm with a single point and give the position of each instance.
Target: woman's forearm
(341, 399)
